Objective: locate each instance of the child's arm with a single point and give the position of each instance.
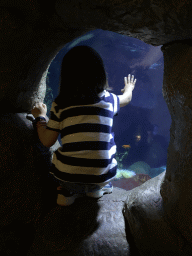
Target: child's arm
(127, 91)
(46, 136)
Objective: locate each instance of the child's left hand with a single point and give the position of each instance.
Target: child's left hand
(40, 109)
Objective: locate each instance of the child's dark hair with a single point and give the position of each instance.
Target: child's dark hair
(82, 77)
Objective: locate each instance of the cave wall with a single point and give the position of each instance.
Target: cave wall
(32, 32)
(177, 90)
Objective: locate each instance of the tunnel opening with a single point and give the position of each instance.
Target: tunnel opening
(142, 127)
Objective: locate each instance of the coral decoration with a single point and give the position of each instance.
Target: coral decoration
(120, 156)
(142, 178)
(124, 173)
(131, 183)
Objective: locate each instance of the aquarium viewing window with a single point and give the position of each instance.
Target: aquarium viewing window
(142, 127)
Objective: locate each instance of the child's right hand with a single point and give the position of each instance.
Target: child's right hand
(129, 83)
(40, 109)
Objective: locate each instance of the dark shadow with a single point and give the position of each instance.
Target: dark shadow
(16, 238)
(64, 228)
(133, 249)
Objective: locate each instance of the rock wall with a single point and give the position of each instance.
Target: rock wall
(32, 32)
(160, 213)
(177, 90)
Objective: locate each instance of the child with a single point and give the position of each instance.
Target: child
(83, 114)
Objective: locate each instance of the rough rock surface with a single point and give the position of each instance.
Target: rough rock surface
(152, 232)
(176, 188)
(26, 191)
(32, 32)
(88, 227)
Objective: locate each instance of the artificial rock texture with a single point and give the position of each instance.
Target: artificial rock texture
(159, 211)
(87, 227)
(32, 32)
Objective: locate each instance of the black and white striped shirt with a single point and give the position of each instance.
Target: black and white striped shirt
(88, 146)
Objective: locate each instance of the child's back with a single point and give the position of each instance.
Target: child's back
(88, 146)
(83, 114)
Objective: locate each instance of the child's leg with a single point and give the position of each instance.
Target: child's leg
(68, 192)
(100, 191)
(75, 188)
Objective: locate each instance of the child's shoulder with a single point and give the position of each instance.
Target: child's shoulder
(107, 94)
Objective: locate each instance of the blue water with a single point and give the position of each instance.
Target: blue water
(147, 116)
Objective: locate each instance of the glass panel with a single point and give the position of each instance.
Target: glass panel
(142, 127)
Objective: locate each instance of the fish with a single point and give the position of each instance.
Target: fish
(154, 66)
(126, 146)
(138, 137)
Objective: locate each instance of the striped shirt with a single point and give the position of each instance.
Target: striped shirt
(88, 147)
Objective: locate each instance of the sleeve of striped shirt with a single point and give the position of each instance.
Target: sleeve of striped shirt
(54, 123)
(116, 104)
